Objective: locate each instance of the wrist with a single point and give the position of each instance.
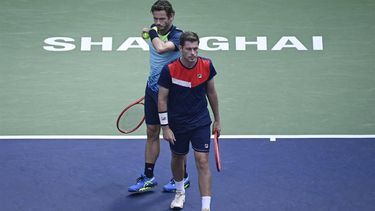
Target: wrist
(163, 118)
(153, 33)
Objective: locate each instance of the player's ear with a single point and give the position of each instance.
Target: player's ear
(180, 47)
(171, 18)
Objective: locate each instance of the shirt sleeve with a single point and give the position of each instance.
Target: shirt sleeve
(212, 71)
(175, 38)
(165, 79)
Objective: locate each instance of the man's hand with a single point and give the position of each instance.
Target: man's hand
(168, 134)
(216, 126)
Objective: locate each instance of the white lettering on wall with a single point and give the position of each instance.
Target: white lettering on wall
(211, 43)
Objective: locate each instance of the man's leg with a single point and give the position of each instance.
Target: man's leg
(204, 173)
(177, 165)
(201, 139)
(152, 149)
(171, 185)
(147, 180)
(204, 178)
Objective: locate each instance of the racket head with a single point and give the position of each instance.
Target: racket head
(217, 151)
(131, 117)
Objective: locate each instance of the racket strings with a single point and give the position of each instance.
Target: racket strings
(131, 118)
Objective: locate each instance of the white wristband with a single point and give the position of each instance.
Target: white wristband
(163, 117)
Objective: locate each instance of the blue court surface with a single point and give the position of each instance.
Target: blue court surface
(287, 174)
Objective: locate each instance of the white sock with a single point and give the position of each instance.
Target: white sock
(180, 186)
(206, 202)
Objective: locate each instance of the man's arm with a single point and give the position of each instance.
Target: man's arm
(163, 99)
(159, 45)
(163, 108)
(214, 103)
(162, 47)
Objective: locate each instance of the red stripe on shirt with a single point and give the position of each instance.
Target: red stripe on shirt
(196, 75)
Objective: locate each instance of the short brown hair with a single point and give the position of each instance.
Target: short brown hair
(188, 36)
(163, 5)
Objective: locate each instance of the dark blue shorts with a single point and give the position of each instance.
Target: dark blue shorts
(200, 139)
(151, 107)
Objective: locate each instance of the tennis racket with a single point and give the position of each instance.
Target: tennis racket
(217, 150)
(132, 117)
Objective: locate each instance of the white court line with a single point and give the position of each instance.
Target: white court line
(118, 137)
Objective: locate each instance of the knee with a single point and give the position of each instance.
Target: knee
(153, 132)
(178, 158)
(202, 163)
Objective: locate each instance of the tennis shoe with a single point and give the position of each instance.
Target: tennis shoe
(205, 209)
(171, 185)
(143, 184)
(178, 201)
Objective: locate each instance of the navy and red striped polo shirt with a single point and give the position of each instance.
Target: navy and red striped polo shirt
(187, 102)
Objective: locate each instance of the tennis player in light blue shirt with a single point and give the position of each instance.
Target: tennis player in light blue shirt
(164, 41)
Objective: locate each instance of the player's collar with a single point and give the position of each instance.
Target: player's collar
(189, 68)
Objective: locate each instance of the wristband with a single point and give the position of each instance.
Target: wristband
(163, 117)
(153, 33)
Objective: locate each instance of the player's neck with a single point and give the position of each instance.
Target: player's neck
(187, 63)
(164, 32)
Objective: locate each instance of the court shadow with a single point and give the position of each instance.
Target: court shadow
(137, 195)
(147, 201)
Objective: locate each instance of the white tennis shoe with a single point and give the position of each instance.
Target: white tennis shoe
(178, 201)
